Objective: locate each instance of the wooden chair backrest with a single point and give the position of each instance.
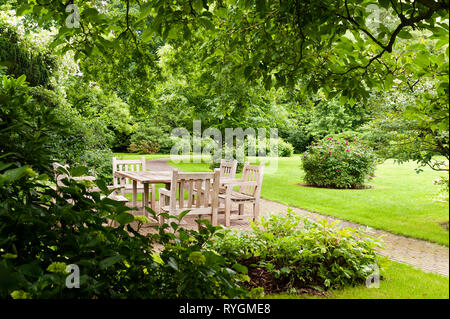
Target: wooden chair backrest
(125, 166)
(228, 169)
(252, 173)
(58, 173)
(188, 182)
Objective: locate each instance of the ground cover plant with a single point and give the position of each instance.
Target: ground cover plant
(286, 252)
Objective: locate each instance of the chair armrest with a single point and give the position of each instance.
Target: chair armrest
(84, 178)
(164, 191)
(239, 183)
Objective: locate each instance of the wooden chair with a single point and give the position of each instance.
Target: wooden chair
(196, 204)
(127, 184)
(249, 192)
(227, 170)
(60, 175)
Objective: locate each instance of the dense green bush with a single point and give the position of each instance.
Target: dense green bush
(285, 149)
(295, 252)
(21, 57)
(150, 138)
(338, 163)
(299, 138)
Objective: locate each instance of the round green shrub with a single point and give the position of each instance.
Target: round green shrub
(285, 149)
(149, 139)
(338, 163)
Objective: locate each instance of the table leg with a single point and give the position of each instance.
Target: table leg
(167, 198)
(134, 203)
(145, 199)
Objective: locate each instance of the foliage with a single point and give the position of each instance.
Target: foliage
(332, 117)
(43, 229)
(302, 253)
(411, 125)
(20, 57)
(299, 138)
(285, 149)
(443, 184)
(44, 120)
(252, 146)
(150, 138)
(43, 236)
(338, 163)
(25, 124)
(188, 268)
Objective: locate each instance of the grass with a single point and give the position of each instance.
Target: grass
(399, 200)
(400, 281)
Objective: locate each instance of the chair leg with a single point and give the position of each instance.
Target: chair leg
(227, 212)
(214, 217)
(161, 204)
(256, 211)
(153, 197)
(241, 209)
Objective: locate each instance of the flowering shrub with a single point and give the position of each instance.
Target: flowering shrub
(338, 163)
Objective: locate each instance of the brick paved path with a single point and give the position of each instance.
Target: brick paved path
(421, 254)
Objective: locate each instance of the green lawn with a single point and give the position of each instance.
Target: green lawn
(400, 200)
(399, 282)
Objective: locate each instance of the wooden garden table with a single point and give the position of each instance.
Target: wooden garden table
(150, 177)
(145, 178)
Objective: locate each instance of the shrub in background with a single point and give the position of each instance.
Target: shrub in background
(150, 138)
(285, 149)
(338, 163)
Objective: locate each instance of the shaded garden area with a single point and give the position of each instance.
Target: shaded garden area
(356, 91)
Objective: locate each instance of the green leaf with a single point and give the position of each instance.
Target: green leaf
(240, 268)
(182, 214)
(384, 3)
(404, 35)
(124, 218)
(147, 34)
(79, 171)
(108, 262)
(206, 23)
(15, 173)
